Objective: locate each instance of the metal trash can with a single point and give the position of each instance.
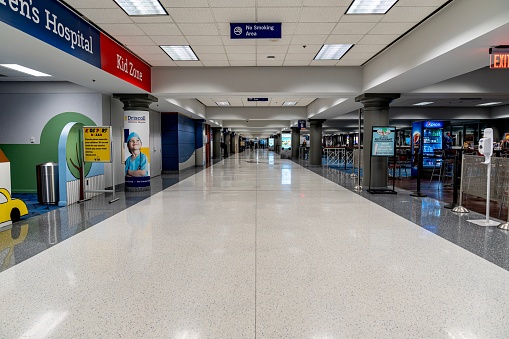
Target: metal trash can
(47, 183)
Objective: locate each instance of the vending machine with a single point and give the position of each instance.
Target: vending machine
(427, 136)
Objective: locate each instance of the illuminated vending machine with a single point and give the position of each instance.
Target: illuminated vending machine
(427, 136)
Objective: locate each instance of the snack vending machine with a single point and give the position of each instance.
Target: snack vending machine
(427, 136)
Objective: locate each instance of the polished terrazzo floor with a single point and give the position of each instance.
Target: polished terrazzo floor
(256, 247)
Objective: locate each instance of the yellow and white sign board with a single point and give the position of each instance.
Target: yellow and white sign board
(97, 143)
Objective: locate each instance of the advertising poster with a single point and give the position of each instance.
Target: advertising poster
(286, 141)
(271, 142)
(137, 148)
(383, 141)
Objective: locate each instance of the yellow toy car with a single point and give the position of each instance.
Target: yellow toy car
(11, 209)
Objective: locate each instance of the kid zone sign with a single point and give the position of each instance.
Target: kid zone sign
(55, 24)
(499, 57)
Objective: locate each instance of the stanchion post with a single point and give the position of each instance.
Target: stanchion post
(461, 209)
(419, 170)
(454, 183)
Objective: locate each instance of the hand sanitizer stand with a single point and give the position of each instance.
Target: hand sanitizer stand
(486, 149)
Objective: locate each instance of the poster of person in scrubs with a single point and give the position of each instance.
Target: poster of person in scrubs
(136, 163)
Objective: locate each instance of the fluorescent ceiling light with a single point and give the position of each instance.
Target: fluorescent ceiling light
(332, 52)
(370, 6)
(25, 70)
(180, 52)
(223, 103)
(141, 7)
(424, 103)
(490, 103)
(289, 103)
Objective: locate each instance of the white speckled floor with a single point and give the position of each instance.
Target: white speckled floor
(245, 250)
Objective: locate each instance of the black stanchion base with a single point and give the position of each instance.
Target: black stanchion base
(451, 206)
(418, 194)
(382, 191)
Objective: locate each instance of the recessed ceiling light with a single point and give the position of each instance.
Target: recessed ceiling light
(141, 7)
(424, 103)
(26, 70)
(180, 53)
(223, 103)
(289, 103)
(490, 103)
(370, 6)
(332, 52)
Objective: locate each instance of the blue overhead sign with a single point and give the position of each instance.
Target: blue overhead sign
(257, 99)
(302, 124)
(55, 24)
(259, 30)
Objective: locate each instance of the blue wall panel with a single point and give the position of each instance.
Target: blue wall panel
(179, 137)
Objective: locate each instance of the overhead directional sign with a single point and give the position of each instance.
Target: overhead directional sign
(259, 30)
(257, 99)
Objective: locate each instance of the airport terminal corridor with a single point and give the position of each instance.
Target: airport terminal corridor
(255, 246)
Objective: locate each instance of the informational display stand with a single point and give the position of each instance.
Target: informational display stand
(486, 149)
(383, 144)
(97, 147)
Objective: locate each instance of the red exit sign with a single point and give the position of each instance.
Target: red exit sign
(499, 57)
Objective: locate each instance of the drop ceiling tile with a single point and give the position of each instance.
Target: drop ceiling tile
(420, 3)
(263, 56)
(262, 104)
(356, 18)
(241, 57)
(366, 48)
(358, 56)
(285, 40)
(161, 63)
(280, 3)
(207, 101)
(203, 29)
(309, 39)
(243, 62)
(212, 57)
(209, 49)
(377, 39)
(314, 28)
(321, 14)
(353, 28)
(79, 4)
(160, 29)
(228, 15)
(391, 28)
(330, 3)
(343, 39)
(407, 14)
(188, 63)
(237, 42)
(249, 103)
(310, 49)
(122, 29)
(306, 101)
(272, 49)
(232, 3)
(185, 3)
(106, 15)
(169, 40)
(204, 40)
(215, 63)
(324, 62)
(145, 49)
(278, 14)
(235, 101)
(240, 49)
(190, 15)
(300, 57)
(140, 40)
(151, 19)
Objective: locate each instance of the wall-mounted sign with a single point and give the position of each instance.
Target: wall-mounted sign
(55, 24)
(302, 124)
(97, 143)
(257, 99)
(499, 57)
(433, 124)
(258, 30)
(383, 142)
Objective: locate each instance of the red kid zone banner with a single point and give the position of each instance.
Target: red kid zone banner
(124, 65)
